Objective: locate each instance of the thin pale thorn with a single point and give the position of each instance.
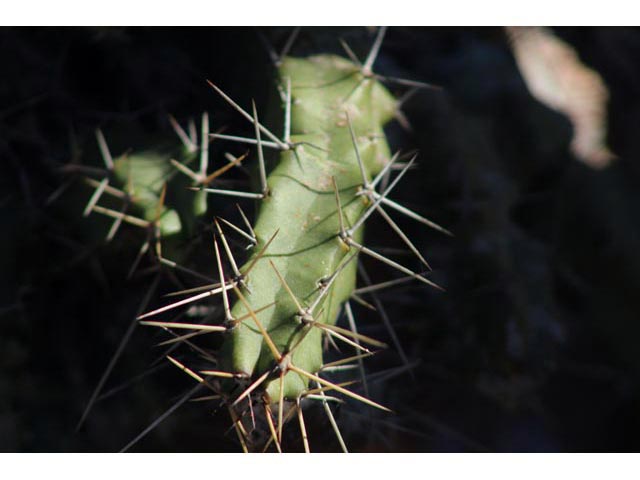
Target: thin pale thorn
(130, 189)
(332, 421)
(385, 319)
(231, 193)
(131, 381)
(284, 283)
(186, 326)
(246, 222)
(116, 225)
(280, 404)
(251, 388)
(206, 398)
(127, 218)
(143, 249)
(186, 301)
(325, 288)
(225, 297)
(218, 373)
(227, 250)
(384, 171)
(362, 302)
(95, 197)
(115, 192)
(250, 141)
(283, 146)
(326, 398)
(281, 92)
(347, 360)
(248, 315)
(203, 288)
(365, 180)
(238, 230)
(352, 325)
(112, 362)
(267, 338)
(335, 334)
(174, 265)
(289, 43)
(373, 53)
(408, 83)
(357, 337)
(341, 368)
(239, 429)
(162, 417)
(203, 353)
(186, 170)
(354, 89)
(303, 429)
(413, 215)
(287, 113)
(185, 369)
(204, 146)
(262, 251)
(402, 235)
(88, 170)
(383, 285)
(273, 55)
(290, 414)
(253, 418)
(298, 160)
(403, 120)
(272, 428)
(354, 58)
(314, 391)
(160, 205)
(405, 98)
(234, 163)
(58, 191)
(313, 145)
(337, 195)
(182, 135)
(261, 165)
(104, 150)
(344, 391)
(397, 266)
(388, 190)
(179, 339)
(193, 132)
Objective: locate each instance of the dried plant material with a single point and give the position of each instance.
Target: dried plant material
(555, 76)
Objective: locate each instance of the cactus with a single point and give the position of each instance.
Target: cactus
(308, 234)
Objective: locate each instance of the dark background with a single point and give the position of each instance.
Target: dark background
(532, 348)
